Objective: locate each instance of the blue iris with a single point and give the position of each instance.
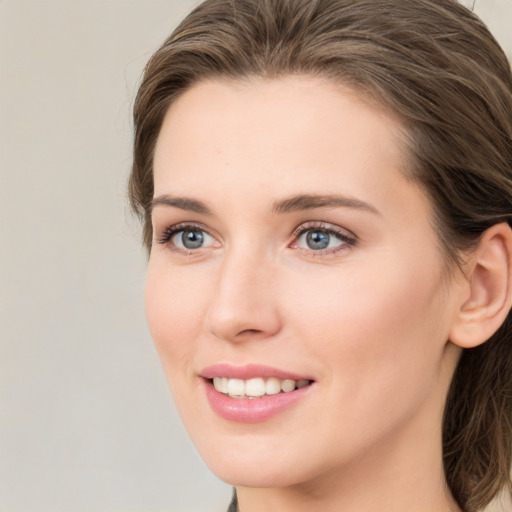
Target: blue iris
(192, 238)
(318, 240)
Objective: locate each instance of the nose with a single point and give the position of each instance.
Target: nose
(244, 302)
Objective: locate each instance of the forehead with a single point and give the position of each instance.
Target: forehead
(257, 102)
(238, 145)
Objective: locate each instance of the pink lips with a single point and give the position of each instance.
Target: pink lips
(254, 410)
(249, 371)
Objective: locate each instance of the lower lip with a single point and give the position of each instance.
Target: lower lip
(244, 410)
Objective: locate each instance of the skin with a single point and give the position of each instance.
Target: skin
(368, 321)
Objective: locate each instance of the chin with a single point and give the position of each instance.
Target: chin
(251, 462)
(242, 475)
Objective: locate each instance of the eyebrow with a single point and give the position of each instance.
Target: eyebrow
(292, 204)
(310, 201)
(183, 203)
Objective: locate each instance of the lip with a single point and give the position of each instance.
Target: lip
(249, 371)
(251, 410)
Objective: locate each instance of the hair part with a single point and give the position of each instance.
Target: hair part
(435, 65)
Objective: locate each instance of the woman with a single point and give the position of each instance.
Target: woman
(326, 191)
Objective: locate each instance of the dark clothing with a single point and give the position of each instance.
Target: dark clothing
(233, 507)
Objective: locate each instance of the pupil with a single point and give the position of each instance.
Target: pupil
(192, 239)
(317, 240)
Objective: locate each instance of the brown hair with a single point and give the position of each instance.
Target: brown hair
(437, 66)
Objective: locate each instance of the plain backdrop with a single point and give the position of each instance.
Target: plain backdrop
(86, 420)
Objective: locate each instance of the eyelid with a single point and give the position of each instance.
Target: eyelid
(165, 236)
(324, 226)
(347, 237)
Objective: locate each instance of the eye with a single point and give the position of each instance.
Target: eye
(317, 240)
(191, 238)
(186, 238)
(322, 238)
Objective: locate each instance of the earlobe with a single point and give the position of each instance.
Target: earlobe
(488, 295)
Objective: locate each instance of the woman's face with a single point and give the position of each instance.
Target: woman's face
(289, 246)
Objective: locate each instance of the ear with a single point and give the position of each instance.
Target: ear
(486, 297)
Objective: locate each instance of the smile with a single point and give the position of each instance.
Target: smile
(256, 387)
(253, 393)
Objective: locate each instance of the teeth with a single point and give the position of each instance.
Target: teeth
(287, 385)
(254, 388)
(221, 384)
(273, 386)
(236, 387)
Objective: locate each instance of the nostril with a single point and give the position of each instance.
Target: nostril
(241, 320)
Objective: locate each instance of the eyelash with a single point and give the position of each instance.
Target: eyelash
(169, 232)
(348, 240)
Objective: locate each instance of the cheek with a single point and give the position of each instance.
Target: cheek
(377, 340)
(379, 326)
(174, 305)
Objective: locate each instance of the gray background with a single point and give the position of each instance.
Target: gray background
(86, 421)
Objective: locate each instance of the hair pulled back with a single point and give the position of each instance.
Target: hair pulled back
(435, 65)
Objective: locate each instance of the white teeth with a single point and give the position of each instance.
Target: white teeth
(221, 384)
(236, 387)
(273, 386)
(257, 387)
(287, 385)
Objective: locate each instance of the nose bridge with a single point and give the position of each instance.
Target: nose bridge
(244, 304)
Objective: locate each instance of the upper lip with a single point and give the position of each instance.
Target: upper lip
(248, 371)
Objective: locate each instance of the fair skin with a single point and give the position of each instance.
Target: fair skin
(351, 293)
